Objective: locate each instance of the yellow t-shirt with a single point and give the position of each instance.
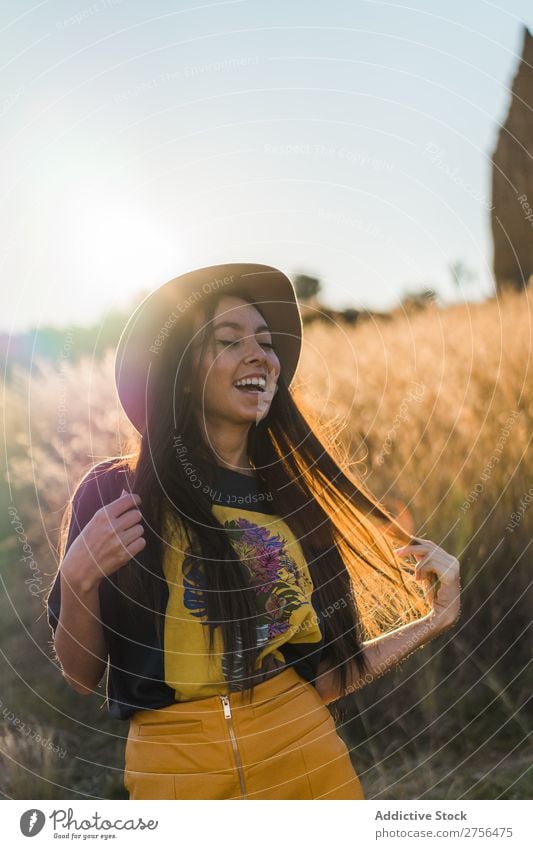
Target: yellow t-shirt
(288, 627)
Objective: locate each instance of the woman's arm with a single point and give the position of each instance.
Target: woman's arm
(104, 534)
(79, 639)
(441, 572)
(382, 654)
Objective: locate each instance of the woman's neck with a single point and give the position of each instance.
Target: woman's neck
(229, 447)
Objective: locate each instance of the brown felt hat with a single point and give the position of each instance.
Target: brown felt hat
(141, 342)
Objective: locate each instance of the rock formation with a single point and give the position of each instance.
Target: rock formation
(512, 182)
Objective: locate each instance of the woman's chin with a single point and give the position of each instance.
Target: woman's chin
(254, 408)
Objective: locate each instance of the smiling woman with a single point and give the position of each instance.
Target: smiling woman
(229, 590)
(234, 357)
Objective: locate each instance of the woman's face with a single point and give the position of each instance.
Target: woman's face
(241, 345)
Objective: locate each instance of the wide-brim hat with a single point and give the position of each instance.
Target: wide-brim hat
(158, 315)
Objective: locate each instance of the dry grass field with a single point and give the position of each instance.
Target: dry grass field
(436, 413)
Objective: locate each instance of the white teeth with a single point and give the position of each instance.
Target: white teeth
(252, 381)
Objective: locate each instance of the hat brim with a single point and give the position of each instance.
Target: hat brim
(157, 316)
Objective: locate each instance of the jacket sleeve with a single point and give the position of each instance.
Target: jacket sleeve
(101, 485)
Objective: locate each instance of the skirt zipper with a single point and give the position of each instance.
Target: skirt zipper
(238, 763)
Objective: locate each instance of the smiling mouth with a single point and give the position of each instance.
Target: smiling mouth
(250, 390)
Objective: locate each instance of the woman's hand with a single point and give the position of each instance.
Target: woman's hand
(440, 573)
(108, 541)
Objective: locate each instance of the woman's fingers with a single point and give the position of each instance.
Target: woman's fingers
(131, 534)
(440, 573)
(127, 501)
(417, 548)
(136, 546)
(438, 564)
(127, 519)
(432, 559)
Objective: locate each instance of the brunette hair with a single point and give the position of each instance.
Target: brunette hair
(347, 536)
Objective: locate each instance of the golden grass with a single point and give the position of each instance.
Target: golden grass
(436, 410)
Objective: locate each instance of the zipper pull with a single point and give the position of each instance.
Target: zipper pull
(227, 707)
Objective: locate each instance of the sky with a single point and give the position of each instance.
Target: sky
(346, 140)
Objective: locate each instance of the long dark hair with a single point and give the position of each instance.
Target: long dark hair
(346, 535)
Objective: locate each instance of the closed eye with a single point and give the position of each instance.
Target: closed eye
(237, 341)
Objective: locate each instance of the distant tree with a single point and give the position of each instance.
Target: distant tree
(306, 287)
(460, 273)
(418, 300)
(350, 315)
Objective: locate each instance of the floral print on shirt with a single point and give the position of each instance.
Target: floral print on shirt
(278, 583)
(279, 586)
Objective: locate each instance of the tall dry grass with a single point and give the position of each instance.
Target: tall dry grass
(436, 413)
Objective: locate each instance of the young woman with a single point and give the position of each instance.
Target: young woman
(227, 570)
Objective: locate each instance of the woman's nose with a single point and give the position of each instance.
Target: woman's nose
(255, 351)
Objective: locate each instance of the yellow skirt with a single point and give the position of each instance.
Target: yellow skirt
(282, 745)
